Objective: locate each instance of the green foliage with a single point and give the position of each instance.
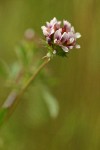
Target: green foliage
(60, 52)
(25, 52)
(14, 71)
(3, 112)
(51, 102)
(58, 49)
(23, 69)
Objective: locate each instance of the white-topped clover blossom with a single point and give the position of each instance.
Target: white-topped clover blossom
(61, 39)
(51, 27)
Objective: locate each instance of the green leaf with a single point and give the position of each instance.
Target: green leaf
(51, 102)
(3, 112)
(15, 69)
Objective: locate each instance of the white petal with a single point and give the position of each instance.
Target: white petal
(52, 31)
(78, 35)
(70, 47)
(78, 46)
(66, 23)
(71, 40)
(65, 48)
(45, 33)
(43, 27)
(72, 29)
(53, 21)
(55, 41)
(59, 22)
(57, 34)
(64, 37)
(48, 24)
(71, 35)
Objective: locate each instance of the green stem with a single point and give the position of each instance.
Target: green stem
(14, 98)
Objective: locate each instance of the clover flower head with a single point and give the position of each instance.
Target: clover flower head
(61, 39)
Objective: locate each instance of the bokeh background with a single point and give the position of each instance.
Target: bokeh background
(77, 126)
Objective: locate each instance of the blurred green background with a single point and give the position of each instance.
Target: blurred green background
(77, 126)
